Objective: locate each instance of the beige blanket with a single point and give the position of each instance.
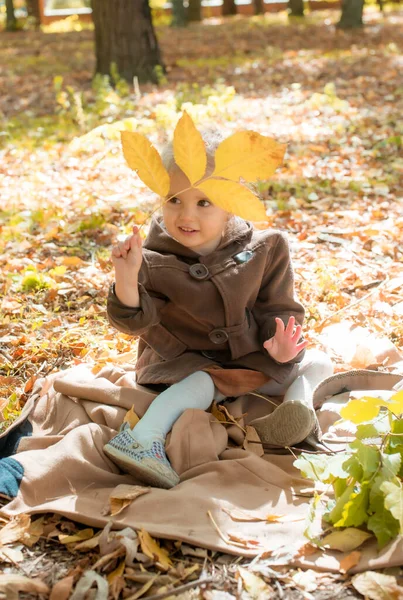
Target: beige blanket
(74, 413)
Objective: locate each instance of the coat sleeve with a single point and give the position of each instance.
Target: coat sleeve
(136, 321)
(276, 296)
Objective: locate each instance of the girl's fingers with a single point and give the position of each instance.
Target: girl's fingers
(301, 346)
(280, 325)
(290, 326)
(297, 333)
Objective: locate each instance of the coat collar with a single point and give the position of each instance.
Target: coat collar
(159, 240)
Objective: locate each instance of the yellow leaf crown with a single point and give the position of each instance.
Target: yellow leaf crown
(245, 155)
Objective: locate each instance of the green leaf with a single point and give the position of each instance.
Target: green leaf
(394, 500)
(383, 524)
(337, 511)
(368, 456)
(312, 466)
(354, 512)
(370, 430)
(353, 467)
(311, 530)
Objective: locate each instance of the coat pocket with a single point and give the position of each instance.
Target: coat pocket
(163, 342)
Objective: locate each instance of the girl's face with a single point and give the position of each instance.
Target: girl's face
(191, 218)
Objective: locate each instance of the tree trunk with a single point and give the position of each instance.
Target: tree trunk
(258, 7)
(34, 12)
(351, 14)
(178, 14)
(125, 36)
(228, 7)
(11, 21)
(194, 10)
(295, 8)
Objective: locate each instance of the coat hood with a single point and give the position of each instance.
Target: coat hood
(159, 240)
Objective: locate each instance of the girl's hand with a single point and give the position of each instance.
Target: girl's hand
(127, 256)
(284, 346)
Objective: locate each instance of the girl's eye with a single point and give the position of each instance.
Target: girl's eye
(204, 203)
(174, 200)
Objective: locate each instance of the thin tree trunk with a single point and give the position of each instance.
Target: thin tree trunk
(258, 7)
(11, 21)
(125, 36)
(229, 7)
(351, 14)
(295, 8)
(34, 12)
(178, 14)
(194, 10)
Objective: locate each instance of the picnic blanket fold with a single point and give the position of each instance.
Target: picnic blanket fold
(63, 469)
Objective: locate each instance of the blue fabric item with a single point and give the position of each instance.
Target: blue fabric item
(11, 474)
(9, 443)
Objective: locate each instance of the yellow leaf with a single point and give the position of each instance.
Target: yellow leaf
(118, 572)
(234, 198)
(152, 549)
(84, 534)
(70, 261)
(361, 409)
(143, 158)
(123, 495)
(131, 418)
(189, 150)
(35, 531)
(17, 530)
(346, 540)
(396, 403)
(249, 155)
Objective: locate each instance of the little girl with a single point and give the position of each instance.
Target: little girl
(212, 301)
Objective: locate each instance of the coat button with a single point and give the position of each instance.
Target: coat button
(199, 271)
(218, 336)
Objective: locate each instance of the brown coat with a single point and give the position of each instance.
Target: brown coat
(200, 311)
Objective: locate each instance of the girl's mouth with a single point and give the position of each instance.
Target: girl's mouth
(187, 230)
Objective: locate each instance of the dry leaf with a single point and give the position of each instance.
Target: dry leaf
(35, 531)
(84, 534)
(255, 586)
(20, 583)
(131, 418)
(346, 540)
(13, 555)
(252, 441)
(71, 261)
(116, 580)
(62, 589)
(89, 544)
(142, 157)
(240, 515)
(86, 582)
(249, 155)
(15, 530)
(123, 495)
(350, 561)
(153, 550)
(189, 150)
(248, 543)
(377, 586)
(306, 580)
(148, 584)
(235, 198)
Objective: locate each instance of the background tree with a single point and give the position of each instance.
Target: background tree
(296, 8)
(178, 14)
(195, 10)
(125, 36)
(11, 21)
(34, 12)
(229, 7)
(258, 7)
(351, 14)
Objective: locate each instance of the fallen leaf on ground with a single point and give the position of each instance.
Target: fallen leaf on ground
(254, 585)
(377, 586)
(306, 580)
(131, 418)
(243, 516)
(20, 583)
(350, 561)
(346, 540)
(15, 530)
(62, 589)
(84, 534)
(153, 550)
(86, 582)
(123, 495)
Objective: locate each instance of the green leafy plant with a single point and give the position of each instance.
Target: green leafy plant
(367, 477)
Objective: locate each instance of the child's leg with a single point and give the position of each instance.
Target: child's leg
(195, 391)
(141, 451)
(294, 420)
